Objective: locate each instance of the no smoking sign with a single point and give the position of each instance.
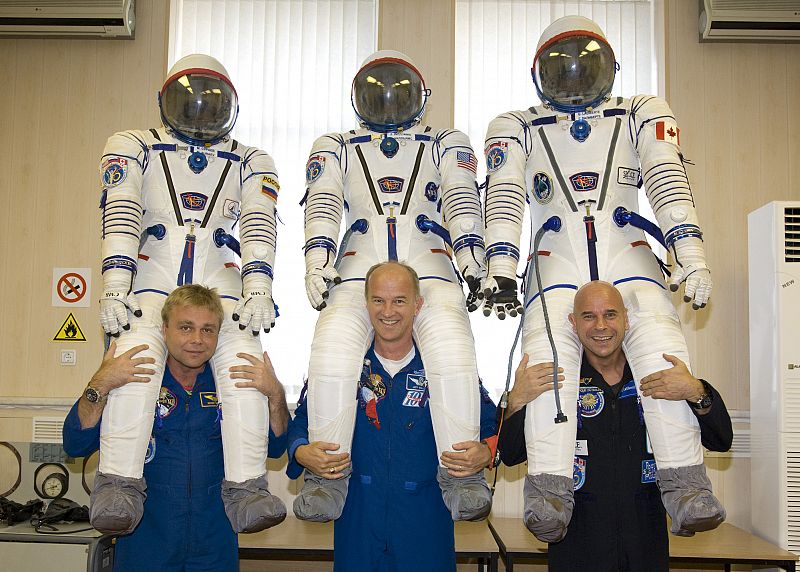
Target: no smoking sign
(72, 287)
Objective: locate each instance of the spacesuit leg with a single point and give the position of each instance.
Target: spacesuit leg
(548, 486)
(447, 348)
(245, 425)
(672, 427)
(341, 339)
(117, 500)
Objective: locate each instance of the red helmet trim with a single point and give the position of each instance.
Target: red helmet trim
(384, 60)
(571, 33)
(204, 71)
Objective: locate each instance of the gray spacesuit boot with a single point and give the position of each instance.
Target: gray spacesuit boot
(250, 506)
(549, 500)
(116, 504)
(467, 498)
(321, 499)
(686, 494)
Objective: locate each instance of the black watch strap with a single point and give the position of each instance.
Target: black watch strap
(706, 399)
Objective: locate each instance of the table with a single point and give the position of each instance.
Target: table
(297, 539)
(724, 546)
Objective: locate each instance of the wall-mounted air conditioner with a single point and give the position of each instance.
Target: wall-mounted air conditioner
(67, 18)
(750, 20)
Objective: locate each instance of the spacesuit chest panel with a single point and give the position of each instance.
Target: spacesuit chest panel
(390, 193)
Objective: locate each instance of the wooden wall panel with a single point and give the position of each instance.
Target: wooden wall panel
(425, 31)
(65, 98)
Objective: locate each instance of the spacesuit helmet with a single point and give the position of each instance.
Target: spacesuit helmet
(574, 66)
(198, 102)
(388, 92)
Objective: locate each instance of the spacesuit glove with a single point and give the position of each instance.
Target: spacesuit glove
(475, 294)
(317, 283)
(698, 283)
(256, 310)
(501, 296)
(114, 306)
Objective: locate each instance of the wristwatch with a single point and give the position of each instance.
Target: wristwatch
(706, 399)
(92, 395)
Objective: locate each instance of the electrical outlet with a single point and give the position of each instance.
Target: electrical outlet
(69, 357)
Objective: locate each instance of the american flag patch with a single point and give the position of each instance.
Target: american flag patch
(467, 160)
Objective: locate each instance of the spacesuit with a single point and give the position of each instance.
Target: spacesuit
(172, 199)
(397, 184)
(579, 160)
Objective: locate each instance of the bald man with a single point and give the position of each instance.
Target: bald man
(619, 521)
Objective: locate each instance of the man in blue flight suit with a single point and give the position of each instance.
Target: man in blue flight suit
(619, 523)
(184, 526)
(394, 518)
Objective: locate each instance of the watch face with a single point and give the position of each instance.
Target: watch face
(92, 395)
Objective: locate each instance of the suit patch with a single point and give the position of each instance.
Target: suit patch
(431, 192)
(496, 155)
(114, 169)
(649, 471)
(584, 181)
(628, 390)
(391, 184)
(231, 209)
(591, 401)
(416, 391)
(467, 160)
(314, 168)
(668, 131)
(270, 187)
(151, 450)
(194, 201)
(209, 399)
(542, 188)
(167, 401)
(579, 473)
(628, 176)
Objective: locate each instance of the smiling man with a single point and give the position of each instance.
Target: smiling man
(619, 522)
(184, 525)
(394, 516)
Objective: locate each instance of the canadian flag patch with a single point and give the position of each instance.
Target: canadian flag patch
(668, 131)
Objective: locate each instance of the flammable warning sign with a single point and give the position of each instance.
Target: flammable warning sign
(69, 331)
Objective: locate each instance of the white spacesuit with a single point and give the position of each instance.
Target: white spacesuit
(397, 184)
(581, 158)
(172, 199)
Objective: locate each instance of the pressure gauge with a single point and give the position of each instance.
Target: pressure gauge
(51, 481)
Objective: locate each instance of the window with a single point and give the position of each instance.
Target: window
(292, 62)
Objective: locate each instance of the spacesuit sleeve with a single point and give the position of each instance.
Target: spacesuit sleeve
(511, 441)
(656, 137)
(122, 168)
(276, 445)
(716, 429)
(257, 232)
(297, 435)
(324, 200)
(506, 157)
(461, 204)
(79, 442)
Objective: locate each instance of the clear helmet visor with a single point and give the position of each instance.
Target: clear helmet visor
(575, 71)
(388, 93)
(200, 106)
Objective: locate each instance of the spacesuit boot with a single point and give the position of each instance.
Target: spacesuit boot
(250, 506)
(467, 498)
(686, 494)
(549, 502)
(116, 503)
(321, 499)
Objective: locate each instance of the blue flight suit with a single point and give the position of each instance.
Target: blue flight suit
(394, 518)
(184, 526)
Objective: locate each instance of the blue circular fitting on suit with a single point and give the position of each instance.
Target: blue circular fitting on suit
(580, 130)
(389, 146)
(197, 162)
